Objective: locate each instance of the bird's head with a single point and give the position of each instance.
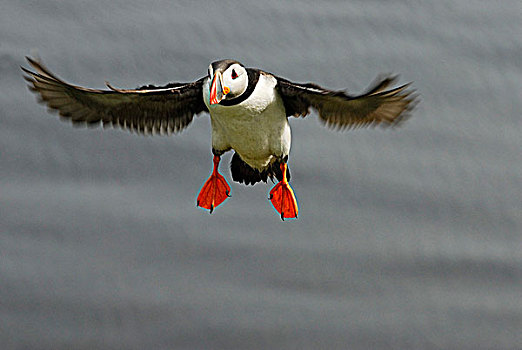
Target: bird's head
(229, 79)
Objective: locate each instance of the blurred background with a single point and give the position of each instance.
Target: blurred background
(407, 238)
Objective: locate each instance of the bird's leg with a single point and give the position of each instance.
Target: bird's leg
(283, 198)
(215, 190)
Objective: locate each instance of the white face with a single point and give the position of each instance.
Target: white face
(235, 78)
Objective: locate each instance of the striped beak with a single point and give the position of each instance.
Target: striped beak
(217, 90)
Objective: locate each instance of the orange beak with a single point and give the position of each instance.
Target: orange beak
(217, 90)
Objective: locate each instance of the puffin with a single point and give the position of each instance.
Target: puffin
(249, 110)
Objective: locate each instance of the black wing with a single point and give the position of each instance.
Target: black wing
(145, 110)
(339, 110)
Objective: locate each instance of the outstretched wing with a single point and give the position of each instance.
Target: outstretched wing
(339, 110)
(148, 110)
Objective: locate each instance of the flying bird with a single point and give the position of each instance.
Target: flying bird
(248, 108)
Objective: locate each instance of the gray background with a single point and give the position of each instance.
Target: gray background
(407, 238)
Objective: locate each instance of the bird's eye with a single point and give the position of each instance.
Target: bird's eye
(234, 74)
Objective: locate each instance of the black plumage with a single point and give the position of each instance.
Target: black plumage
(244, 173)
(147, 110)
(340, 110)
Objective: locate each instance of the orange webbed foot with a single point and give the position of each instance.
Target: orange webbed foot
(214, 191)
(283, 198)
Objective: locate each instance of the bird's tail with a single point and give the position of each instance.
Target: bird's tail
(244, 173)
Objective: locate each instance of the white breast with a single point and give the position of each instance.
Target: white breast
(257, 128)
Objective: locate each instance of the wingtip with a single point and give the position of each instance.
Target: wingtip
(110, 86)
(25, 70)
(34, 62)
(382, 82)
(41, 70)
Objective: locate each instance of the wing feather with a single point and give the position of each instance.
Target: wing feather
(339, 110)
(147, 110)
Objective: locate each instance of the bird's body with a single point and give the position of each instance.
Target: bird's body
(256, 129)
(249, 111)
